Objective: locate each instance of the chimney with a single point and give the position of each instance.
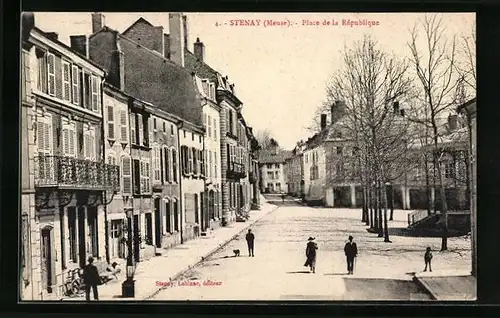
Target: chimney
(199, 49)
(177, 39)
(28, 23)
(97, 21)
(452, 122)
(395, 105)
(166, 43)
(79, 43)
(52, 35)
(185, 27)
(323, 121)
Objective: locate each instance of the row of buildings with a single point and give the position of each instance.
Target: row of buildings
(126, 138)
(323, 170)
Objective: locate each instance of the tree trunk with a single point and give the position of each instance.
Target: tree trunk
(380, 219)
(392, 203)
(427, 185)
(375, 207)
(365, 205)
(386, 226)
(370, 202)
(442, 192)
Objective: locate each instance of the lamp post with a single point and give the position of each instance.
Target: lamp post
(128, 286)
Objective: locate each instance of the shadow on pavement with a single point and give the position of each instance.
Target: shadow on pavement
(383, 289)
(299, 272)
(335, 274)
(403, 231)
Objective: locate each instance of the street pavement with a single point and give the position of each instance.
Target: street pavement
(383, 271)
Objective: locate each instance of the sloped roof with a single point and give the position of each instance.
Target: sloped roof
(155, 79)
(140, 20)
(273, 156)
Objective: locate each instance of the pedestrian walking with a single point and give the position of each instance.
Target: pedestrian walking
(311, 248)
(91, 279)
(351, 251)
(250, 239)
(428, 259)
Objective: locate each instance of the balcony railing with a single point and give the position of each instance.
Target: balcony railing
(237, 170)
(70, 172)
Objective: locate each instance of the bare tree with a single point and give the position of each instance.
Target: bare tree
(466, 62)
(435, 67)
(266, 139)
(370, 82)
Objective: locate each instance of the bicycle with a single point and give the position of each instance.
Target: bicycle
(74, 285)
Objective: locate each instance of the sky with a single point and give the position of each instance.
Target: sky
(280, 72)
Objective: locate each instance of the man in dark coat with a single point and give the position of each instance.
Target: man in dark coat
(250, 238)
(351, 251)
(311, 248)
(91, 279)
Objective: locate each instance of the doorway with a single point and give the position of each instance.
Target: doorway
(158, 223)
(82, 243)
(47, 266)
(116, 241)
(149, 228)
(137, 244)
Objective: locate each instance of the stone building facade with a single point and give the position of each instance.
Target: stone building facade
(66, 179)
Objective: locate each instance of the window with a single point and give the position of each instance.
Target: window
(215, 129)
(66, 80)
(449, 170)
(277, 165)
(166, 160)
(140, 129)
(111, 122)
(269, 166)
(87, 93)
(201, 163)
(144, 175)
(51, 74)
(133, 128)
(231, 121)
(96, 93)
(42, 70)
(154, 124)
(195, 161)
(68, 131)
(184, 133)
(89, 142)
(270, 175)
(126, 176)
(174, 165)
(137, 176)
(111, 160)
(190, 160)
(210, 171)
(156, 164)
(192, 136)
(216, 161)
(75, 82)
(168, 216)
(123, 126)
(209, 128)
(339, 150)
(199, 139)
(277, 175)
(172, 129)
(176, 214)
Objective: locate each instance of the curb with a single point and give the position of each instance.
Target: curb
(425, 286)
(202, 258)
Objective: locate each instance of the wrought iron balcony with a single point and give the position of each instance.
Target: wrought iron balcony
(72, 173)
(237, 170)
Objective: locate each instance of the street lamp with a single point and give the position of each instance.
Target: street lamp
(128, 286)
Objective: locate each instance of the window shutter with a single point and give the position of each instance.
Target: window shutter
(40, 134)
(150, 128)
(66, 80)
(123, 126)
(167, 165)
(95, 92)
(148, 176)
(111, 122)
(72, 142)
(195, 161)
(133, 134)
(126, 176)
(65, 135)
(76, 85)
(92, 147)
(174, 164)
(51, 71)
(162, 178)
(141, 130)
(215, 129)
(48, 135)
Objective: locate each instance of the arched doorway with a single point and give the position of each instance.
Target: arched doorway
(47, 256)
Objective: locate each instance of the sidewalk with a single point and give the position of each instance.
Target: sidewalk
(449, 285)
(176, 260)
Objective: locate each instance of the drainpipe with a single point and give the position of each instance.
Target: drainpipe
(205, 194)
(179, 126)
(103, 138)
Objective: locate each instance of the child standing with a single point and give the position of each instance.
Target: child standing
(428, 259)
